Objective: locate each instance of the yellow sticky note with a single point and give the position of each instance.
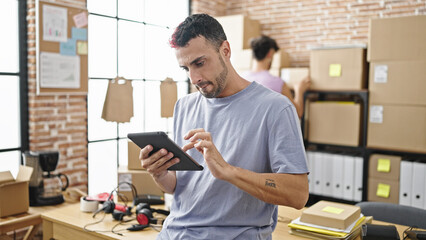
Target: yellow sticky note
(333, 210)
(335, 70)
(82, 47)
(383, 190)
(383, 165)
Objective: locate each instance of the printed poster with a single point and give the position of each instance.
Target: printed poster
(54, 23)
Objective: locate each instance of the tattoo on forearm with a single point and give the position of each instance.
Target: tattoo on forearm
(270, 183)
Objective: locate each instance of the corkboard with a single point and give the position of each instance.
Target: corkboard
(54, 47)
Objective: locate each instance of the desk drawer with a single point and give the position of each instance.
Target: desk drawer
(61, 232)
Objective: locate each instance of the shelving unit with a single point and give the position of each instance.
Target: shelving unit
(362, 150)
(360, 96)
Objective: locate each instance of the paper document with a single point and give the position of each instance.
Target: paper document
(58, 71)
(54, 24)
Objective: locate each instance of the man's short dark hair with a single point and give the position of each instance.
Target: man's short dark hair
(198, 25)
(261, 46)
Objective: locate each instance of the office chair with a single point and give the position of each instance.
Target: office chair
(394, 213)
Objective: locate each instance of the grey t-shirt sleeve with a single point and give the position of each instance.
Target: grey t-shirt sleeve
(286, 150)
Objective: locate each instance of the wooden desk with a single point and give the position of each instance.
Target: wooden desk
(31, 219)
(68, 223)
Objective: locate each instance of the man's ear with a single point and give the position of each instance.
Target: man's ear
(225, 49)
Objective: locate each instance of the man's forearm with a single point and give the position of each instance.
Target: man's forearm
(276, 188)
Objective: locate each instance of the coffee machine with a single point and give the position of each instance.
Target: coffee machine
(45, 188)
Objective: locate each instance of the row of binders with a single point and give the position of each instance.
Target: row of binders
(335, 175)
(412, 190)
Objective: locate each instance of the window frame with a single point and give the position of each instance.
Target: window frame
(117, 139)
(22, 74)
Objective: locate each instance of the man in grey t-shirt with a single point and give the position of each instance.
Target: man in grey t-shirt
(247, 137)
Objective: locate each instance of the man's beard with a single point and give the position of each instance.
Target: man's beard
(220, 81)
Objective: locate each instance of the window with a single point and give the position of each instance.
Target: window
(128, 38)
(13, 80)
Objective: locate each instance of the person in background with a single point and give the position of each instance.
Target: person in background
(247, 138)
(264, 48)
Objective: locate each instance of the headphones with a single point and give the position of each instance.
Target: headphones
(144, 214)
(118, 211)
(119, 214)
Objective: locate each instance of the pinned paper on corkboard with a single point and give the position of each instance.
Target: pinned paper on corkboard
(168, 91)
(118, 105)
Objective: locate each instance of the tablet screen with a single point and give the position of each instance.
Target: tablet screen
(160, 140)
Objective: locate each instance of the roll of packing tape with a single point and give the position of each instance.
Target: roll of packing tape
(88, 205)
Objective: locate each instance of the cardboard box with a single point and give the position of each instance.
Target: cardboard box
(384, 167)
(383, 190)
(239, 30)
(141, 179)
(274, 72)
(334, 123)
(242, 59)
(331, 214)
(133, 152)
(292, 76)
(280, 60)
(397, 127)
(14, 196)
(338, 69)
(398, 82)
(396, 39)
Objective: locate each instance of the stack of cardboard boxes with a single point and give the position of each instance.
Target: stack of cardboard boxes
(134, 173)
(336, 69)
(292, 76)
(397, 84)
(239, 30)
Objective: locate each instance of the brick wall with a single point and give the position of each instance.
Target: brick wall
(298, 25)
(57, 122)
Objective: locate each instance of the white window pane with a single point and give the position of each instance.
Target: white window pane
(130, 49)
(159, 59)
(102, 167)
(9, 60)
(98, 128)
(172, 65)
(102, 47)
(136, 122)
(153, 119)
(152, 10)
(182, 88)
(105, 7)
(131, 9)
(176, 12)
(10, 161)
(123, 154)
(9, 105)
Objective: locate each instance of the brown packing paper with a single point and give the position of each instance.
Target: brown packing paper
(168, 90)
(118, 106)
